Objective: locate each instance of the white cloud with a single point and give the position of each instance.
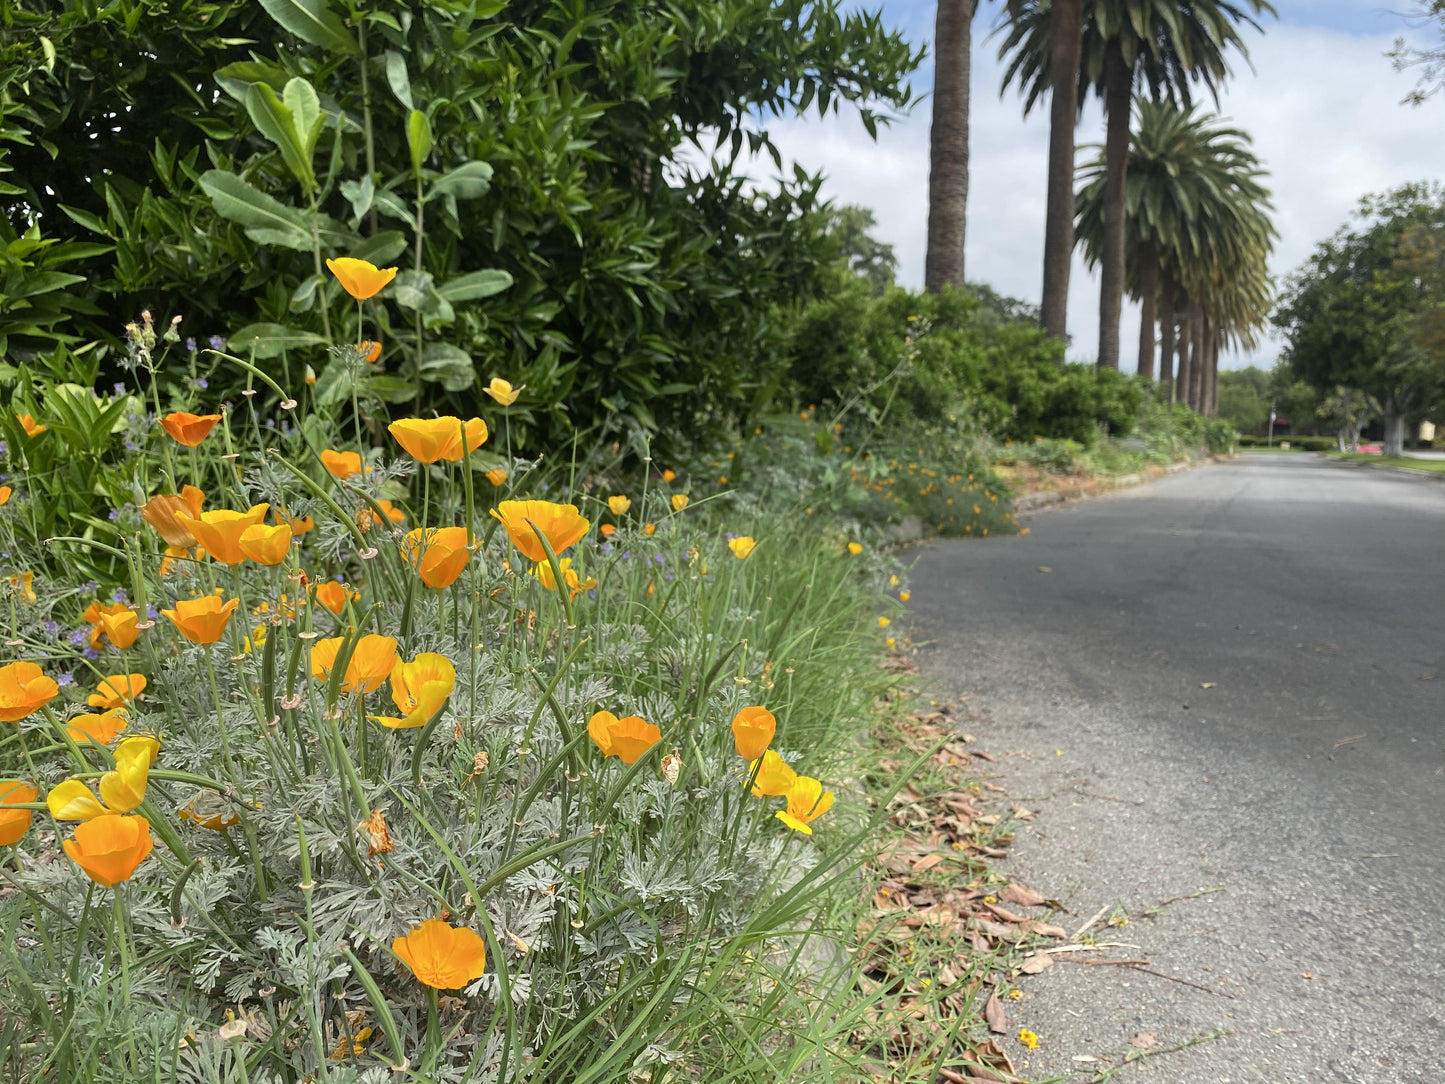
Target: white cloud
(1322, 106)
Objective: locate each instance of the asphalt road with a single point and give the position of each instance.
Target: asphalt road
(1307, 779)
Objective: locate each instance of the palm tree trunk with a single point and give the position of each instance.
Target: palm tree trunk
(1118, 95)
(1196, 356)
(1211, 368)
(948, 145)
(1186, 339)
(1067, 34)
(1167, 323)
(1148, 289)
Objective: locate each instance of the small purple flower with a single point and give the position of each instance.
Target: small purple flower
(91, 653)
(51, 627)
(605, 548)
(191, 343)
(80, 636)
(217, 343)
(118, 595)
(88, 586)
(118, 388)
(667, 576)
(130, 447)
(152, 613)
(65, 679)
(659, 558)
(201, 382)
(115, 512)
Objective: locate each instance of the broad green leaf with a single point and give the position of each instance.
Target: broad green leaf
(418, 139)
(304, 296)
(476, 285)
(396, 76)
(468, 181)
(300, 97)
(390, 388)
(412, 289)
(34, 283)
(86, 219)
(448, 365)
(381, 247)
(236, 79)
(312, 21)
(359, 194)
(278, 124)
(242, 202)
(269, 340)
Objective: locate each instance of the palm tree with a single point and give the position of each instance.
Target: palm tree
(948, 144)
(1197, 235)
(1166, 43)
(1051, 66)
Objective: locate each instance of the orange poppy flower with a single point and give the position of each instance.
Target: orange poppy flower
(202, 620)
(31, 426)
(265, 545)
(342, 464)
(5, 492)
(119, 626)
(419, 689)
(14, 822)
(366, 518)
(110, 847)
(443, 956)
(439, 554)
(561, 524)
(627, 738)
(161, 511)
(608, 530)
(299, 524)
(100, 729)
(332, 595)
(502, 391)
(189, 429)
(117, 690)
(753, 730)
(360, 278)
(497, 476)
(371, 662)
(24, 689)
(429, 439)
(807, 801)
(772, 778)
(669, 475)
(370, 350)
(220, 531)
(24, 584)
(577, 585)
(649, 528)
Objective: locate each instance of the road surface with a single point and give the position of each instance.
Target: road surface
(1230, 677)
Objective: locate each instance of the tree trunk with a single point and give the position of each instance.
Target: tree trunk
(1067, 36)
(1196, 356)
(1206, 383)
(948, 145)
(1118, 97)
(1148, 289)
(1167, 323)
(1394, 429)
(1186, 338)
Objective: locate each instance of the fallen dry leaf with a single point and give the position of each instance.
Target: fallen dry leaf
(1143, 1041)
(1206, 684)
(927, 862)
(1024, 896)
(1039, 961)
(993, 1013)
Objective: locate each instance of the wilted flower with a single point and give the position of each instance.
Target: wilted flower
(110, 847)
(502, 391)
(619, 505)
(14, 822)
(116, 691)
(679, 501)
(208, 810)
(577, 585)
(265, 545)
(360, 278)
(741, 546)
(807, 801)
(202, 620)
(419, 689)
(100, 729)
(561, 524)
(753, 730)
(24, 689)
(442, 956)
(220, 531)
(24, 585)
(1028, 1038)
(439, 554)
(370, 350)
(341, 464)
(30, 425)
(378, 839)
(161, 511)
(627, 738)
(429, 439)
(772, 778)
(370, 663)
(189, 429)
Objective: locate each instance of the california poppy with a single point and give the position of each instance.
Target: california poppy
(741, 547)
(341, 464)
(24, 584)
(561, 524)
(370, 664)
(772, 778)
(124, 788)
(502, 391)
(161, 511)
(24, 689)
(429, 439)
(439, 554)
(189, 429)
(30, 425)
(626, 738)
(100, 729)
(220, 531)
(208, 810)
(419, 689)
(807, 801)
(753, 730)
(575, 583)
(618, 506)
(110, 847)
(679, 501)
(5, 492)
(116, 691)
(202, 620)
(14, 822)
(331, 595)
(497, 476)
(370, 350)
(72, 800)
(360, 278)
(120, 627)
(299, 524)
(265, 545)
(443, 956)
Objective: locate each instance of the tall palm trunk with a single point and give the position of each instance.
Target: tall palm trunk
(948, 145)
(1148, 289)
(1067, 38)
(1118, 94)
(1211, 368)
(1196, 357)
(1167, 324)
(1186, 339)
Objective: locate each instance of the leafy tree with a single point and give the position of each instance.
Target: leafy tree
(1351, 410)
(1431, 61)
(1363, 310)
(1244, 398)
(862, 253)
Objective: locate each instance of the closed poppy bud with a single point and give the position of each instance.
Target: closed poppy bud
(561, 524)
(30, 425)
(161, 511)
(679, 501)
(442, 956)
(73, 801)
(100, 729)
(627, 738)
(772, 778)
(220, 531)
(741, 547)
(502, 391)
(439, 554)
(117, 690)
(5, 492)
(109, 848)
(497, 476)
(331, 595)
(265, 545)
(753, 730)
(618, 506)
(14, 822)
(341, 464)
(310, 376)
(120, 628)
(370, 351)
(202, 620)
(807, 801)
(189, 429)
(24, 689)
(669, 475)
(360, 278)
(125, 788)
(419, 689)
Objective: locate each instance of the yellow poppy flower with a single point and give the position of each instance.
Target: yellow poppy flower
(125, 788)
(502, 391)
(439, 554)
(30, 425)
(429, 439)
(24, 690)
(24, 584)
(627, 738)
(220, 531)
(371, 662)
(265, 545)
(14, 822)
(100, 729)
(679, 501)
(753, 730)
(116, 691)
(202, 620)
(120, 627)
(575, 583)
(360, 278)
(419, 689)
(497, 476)
(807, 801)
(618, 506)
(773, 777)
(161, 511)
(331, 595)
(742, 546)
(341, 464)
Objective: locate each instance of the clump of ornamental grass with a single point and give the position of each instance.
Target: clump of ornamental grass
(392, 757)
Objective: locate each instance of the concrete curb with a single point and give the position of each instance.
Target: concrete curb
(1403, 472)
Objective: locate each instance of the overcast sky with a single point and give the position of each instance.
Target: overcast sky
(1322, 103)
